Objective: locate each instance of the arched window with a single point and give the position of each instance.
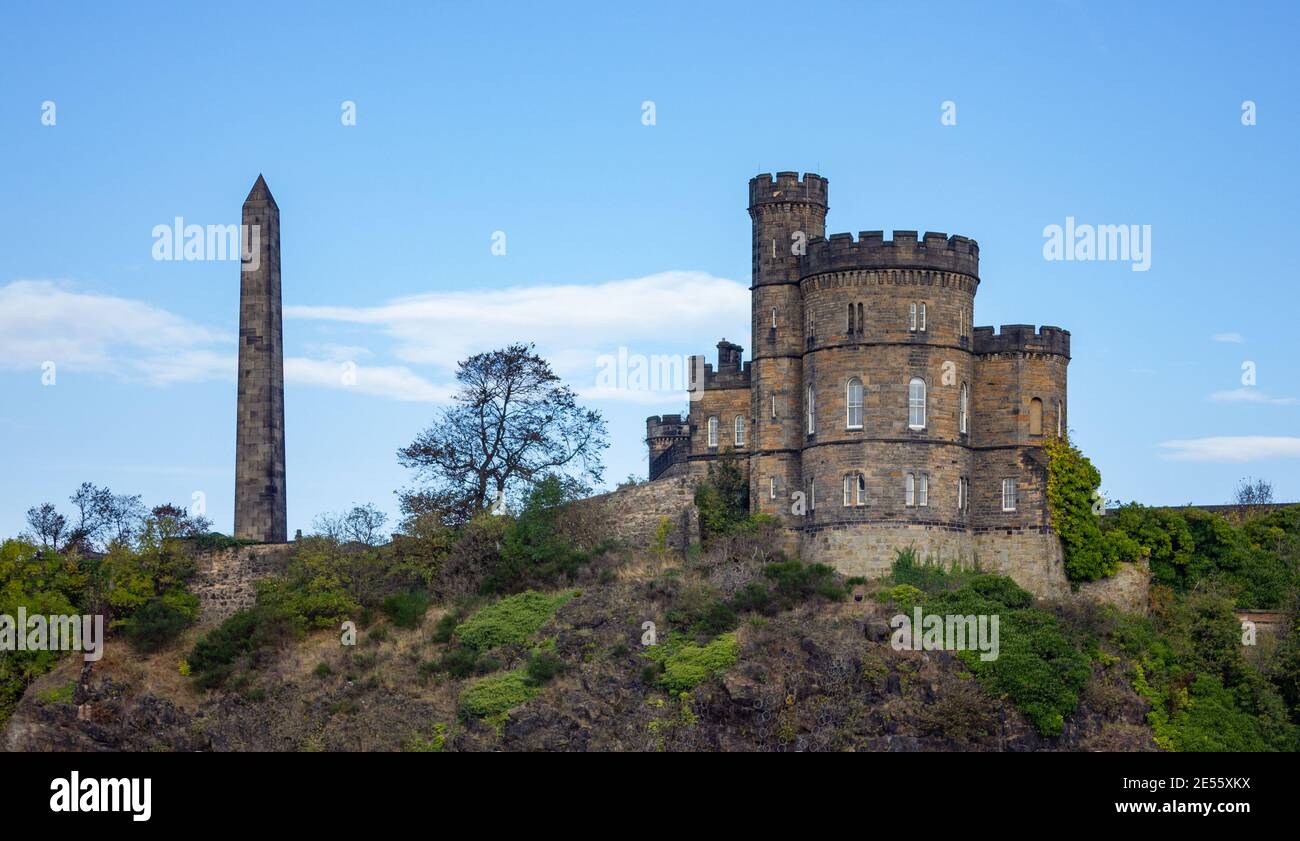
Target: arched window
(740, 430)
(713, 431)
(853, 399)
(1035, 417)
(961, 411)
(909, 485)
(812, 412)
(916, 403)
(862, 489)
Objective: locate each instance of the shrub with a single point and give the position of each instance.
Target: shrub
(406, 610)
(248, 633)
(496, 694)
(686, 665)
(513, 619)
(542, 668)
(161, 620)
(722, 499)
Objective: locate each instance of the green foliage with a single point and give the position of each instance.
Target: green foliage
(535, 551)
(1204, 696)
(794, 581)
(496, 694)
(446, 627)
(406, 610)
(905, 596)
(685, 664)
(1039, 668)
(513, 619)
(1257, 560)
(247, 634)
(60, 694)
(1072, 483)
(161, 620)
(542, 668)
(722, 499)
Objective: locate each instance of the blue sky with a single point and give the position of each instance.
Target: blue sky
(528, 121)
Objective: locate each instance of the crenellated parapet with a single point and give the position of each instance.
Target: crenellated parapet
(787, 187)
(940, 252)
(1022, 338)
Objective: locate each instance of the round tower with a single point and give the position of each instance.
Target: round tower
(889, 377)
(788, 213)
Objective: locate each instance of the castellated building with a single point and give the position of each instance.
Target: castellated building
(871, 392)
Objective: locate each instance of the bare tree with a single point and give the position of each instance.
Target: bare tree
(365, 524)
(1252, 494)
(48, 525)
(92, 505)
(123, 516)
(510, 423)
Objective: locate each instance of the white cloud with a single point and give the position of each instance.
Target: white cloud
(572, 325)
(43, 321)
(1233, 449)
(395, 382)
(1231, 338)
(1251, 395)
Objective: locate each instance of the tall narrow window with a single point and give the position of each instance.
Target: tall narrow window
(916, 403)
(812, 412)
(909, 489)
(862, 325)
(812, 493)
(773, 405)
(923, 489)
(862, 489)
(911, 317)
(1060, 414)
(773, 318)
(851, 325)
(740, 430)
(922, 319)
(961, 411)
(1008, 494)
(961, 493)
(853, 399)
(713, 431)
(771, 487)
(1035, 417)
(848, 489)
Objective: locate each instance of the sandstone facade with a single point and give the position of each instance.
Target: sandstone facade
(873, 398)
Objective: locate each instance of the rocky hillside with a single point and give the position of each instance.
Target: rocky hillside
(816, 674)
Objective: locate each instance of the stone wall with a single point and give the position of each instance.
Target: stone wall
(632, 515)
(224, 577)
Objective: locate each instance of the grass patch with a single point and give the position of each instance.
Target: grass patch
(496, 694)
(683, 664)
(511, 620)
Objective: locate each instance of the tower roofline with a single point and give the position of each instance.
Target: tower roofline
(261, 194)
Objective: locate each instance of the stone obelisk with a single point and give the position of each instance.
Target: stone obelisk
(259, 431)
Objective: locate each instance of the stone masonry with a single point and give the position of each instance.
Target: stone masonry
(873, 397)
(259, 431)
(224, 578)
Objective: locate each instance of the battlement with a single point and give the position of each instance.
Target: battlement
(1022, 338)
(667, 426)
(871, 250)
(787, 187)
